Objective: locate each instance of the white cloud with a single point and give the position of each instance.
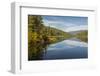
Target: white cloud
(65, 26)
(76, 28)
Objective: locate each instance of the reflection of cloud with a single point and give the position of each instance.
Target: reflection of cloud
(67, 44)
(76, 43)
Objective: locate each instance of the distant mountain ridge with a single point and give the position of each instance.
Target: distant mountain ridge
(76, 32)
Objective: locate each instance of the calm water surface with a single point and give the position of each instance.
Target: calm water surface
(68, 49)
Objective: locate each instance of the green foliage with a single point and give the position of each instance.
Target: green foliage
(37, 31)
(40, 36)
(82, 36)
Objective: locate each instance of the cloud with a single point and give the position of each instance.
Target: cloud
(66, 23)
(76, 28)
(60, 24)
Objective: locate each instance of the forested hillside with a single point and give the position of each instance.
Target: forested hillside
(37, 31)
(82, 36)
(40, 36)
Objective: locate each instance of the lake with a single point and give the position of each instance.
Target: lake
(68, 49)
(72, 48)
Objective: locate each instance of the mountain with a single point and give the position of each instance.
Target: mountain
(82, 35)
(76, 32)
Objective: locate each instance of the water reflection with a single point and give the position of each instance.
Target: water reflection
(66, 49)
(36, 50)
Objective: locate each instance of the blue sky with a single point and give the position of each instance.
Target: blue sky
(66, 23)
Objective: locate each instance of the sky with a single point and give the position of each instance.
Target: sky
(66, 23)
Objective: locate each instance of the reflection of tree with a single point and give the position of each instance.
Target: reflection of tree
(37, 38)
(36, 51)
